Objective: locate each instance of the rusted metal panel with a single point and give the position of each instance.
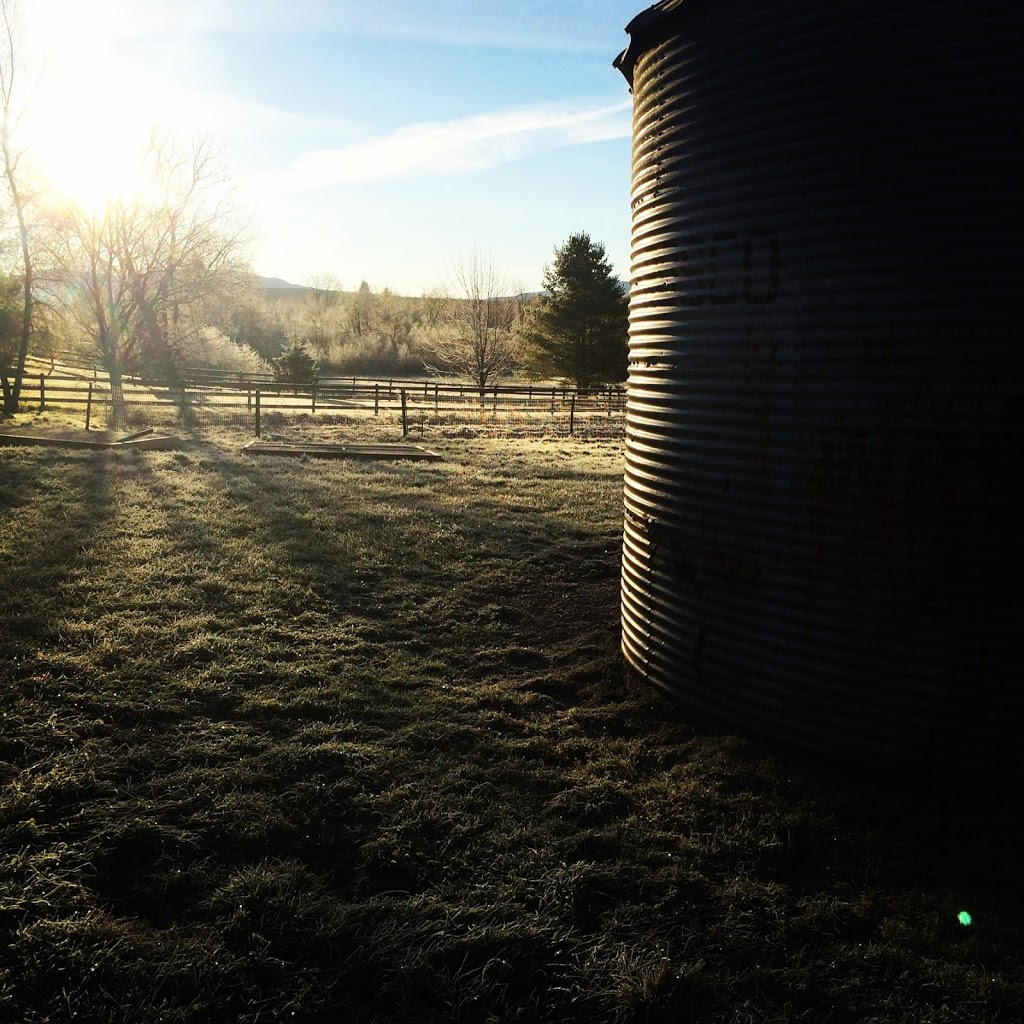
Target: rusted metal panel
(824, 422)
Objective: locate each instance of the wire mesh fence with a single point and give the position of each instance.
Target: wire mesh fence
(517, 414)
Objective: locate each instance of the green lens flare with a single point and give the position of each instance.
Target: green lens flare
(964, 918)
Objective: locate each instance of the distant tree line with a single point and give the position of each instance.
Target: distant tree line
(481, 329)
(112, 289)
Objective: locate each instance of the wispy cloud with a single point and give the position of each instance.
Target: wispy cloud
(227, 118)
(463, 146)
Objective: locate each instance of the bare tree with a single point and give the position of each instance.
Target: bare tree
(475, 333)
(255, 321)
(362, 311)
(393, 319)
(198, 242)
(145, 275)
(434, 306)
(322, 299)
(10, 159)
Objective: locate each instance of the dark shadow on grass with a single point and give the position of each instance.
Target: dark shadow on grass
(959, 834)
(74, 492)
(895, 837)
(60, 503)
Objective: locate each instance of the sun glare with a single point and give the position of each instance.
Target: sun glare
(90, 172)
(88, 123)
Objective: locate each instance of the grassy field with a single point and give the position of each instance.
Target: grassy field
(310, 741)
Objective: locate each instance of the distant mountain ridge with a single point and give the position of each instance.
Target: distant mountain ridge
(280, 283)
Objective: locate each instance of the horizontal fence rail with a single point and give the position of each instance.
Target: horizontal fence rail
(422, 406)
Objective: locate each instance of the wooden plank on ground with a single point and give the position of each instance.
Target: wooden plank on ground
(341, 451)
(158, 443)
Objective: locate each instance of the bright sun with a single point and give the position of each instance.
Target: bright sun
(86, 170)
(88, 123)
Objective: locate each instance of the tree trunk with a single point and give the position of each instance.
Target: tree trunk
(112, 364)
(12, 390)
(9, 61)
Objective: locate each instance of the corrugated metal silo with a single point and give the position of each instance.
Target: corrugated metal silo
(825, 418)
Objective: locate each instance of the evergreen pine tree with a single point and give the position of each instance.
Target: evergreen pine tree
(296, 366)
(579, 329)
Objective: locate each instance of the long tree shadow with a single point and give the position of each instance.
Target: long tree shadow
(57, 514)
(489, 576)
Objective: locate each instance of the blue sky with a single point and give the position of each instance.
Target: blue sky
(374, 141)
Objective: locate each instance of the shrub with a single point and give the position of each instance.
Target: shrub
(296, 366)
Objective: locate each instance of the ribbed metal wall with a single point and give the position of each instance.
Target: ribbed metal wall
(825, 427)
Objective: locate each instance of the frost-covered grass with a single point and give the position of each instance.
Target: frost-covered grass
(326, 741)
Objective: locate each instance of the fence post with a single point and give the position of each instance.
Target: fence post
(42, 393)
(376, 399)
(257, 412)
(405, 415)
(88, 406)
(552, 401)
(312, 394)
(248, 400)
(435, 399)
(572, 414)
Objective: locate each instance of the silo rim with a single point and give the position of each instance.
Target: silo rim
(644, 30)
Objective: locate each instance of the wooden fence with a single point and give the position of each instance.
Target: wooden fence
(416, 405)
